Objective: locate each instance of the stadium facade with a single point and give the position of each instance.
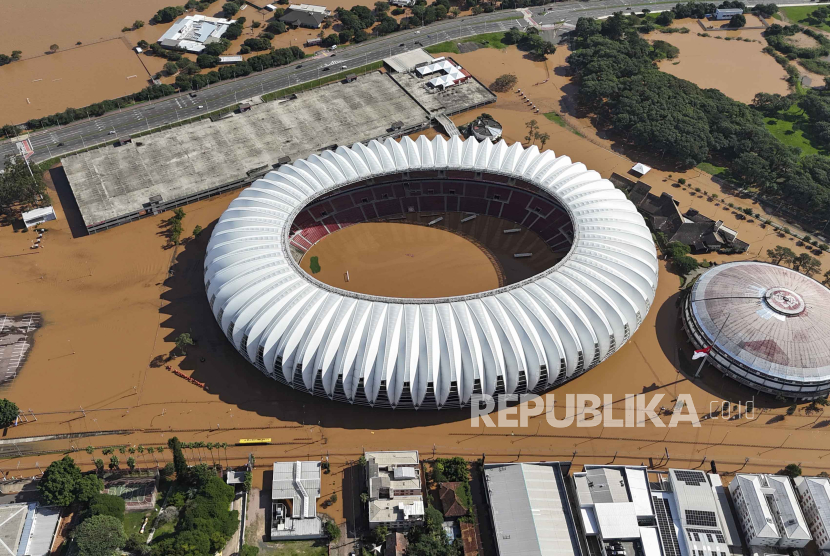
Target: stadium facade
(767, 325)
(528, 336)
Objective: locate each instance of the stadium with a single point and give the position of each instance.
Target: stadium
(767, 325)
(553, 313)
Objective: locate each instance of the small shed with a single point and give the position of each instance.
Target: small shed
(351, 77)
(727, 13)
(244, 107)
(38, 216)
(640, 169)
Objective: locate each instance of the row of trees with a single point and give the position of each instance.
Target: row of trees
(4, 59)
(804, 263)
(684, 124)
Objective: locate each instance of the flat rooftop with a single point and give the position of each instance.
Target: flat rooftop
(113, 182)
(451, 100)
(12, 520)
(386, 459)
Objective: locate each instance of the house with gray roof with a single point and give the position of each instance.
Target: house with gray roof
(768, 511)
(814, 494)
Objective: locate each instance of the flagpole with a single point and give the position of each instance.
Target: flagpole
(705, 357)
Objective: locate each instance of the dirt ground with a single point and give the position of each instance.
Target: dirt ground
(739, 69)
(112, 311)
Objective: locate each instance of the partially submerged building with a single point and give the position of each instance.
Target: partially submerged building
(616, 511)
(449, 73)
(295, 489)
(305, 15)
(395, 496)
(699, 232)
(530, 509)
(768, 511)
(693, 514)
(194, 32)
(485, 127)
(814, 494)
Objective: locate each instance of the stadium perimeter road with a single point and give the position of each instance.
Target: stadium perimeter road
(145, 116)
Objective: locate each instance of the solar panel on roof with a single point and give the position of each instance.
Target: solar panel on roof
(701, 518)
(692, 478)
(666, 526)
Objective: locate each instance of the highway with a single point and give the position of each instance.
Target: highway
(57, 141)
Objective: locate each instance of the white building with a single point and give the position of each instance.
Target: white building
(616, 511)
(768, 511)
(530, 509)
(38, 216)
(394, 482)
(814, 494)
(295, 489)
(727, 13)
(693, 514)
(194, 32)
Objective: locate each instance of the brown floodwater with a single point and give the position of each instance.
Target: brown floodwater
(74, 78)
(737, 68)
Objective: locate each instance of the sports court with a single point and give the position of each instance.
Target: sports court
(15, 343)
(138, 494)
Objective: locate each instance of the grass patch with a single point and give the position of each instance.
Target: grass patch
(711, 169)
(314, 265)
(816, 66)
(132, 524)
(484, 40)
(793, 129)
(446, 46)
(293, 548)
(803, 15)
(558, 120)
(322, 81)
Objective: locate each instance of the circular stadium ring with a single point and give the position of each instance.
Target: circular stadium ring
(529, 336)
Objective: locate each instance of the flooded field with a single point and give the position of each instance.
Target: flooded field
(75, 78)
(737, 68)
(401, 260)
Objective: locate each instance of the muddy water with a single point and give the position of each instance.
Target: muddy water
(32, 26)
(738, 68)
(401, 260)
(75, 78)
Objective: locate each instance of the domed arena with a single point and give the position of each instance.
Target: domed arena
(415, 274)
(767, 325)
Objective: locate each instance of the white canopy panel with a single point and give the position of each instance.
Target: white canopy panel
(429, 353)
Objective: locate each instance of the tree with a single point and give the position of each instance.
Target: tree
(53, 48)
(781, 254)
(99, 465)
(361, 461)
(179, 461)
(330, 40)
(16, 55)
(131, 463)
(792, 470)
(137, 24)
(276, 27)
(114, 462)
(107, 504)
(685, 264)
(738, 20)
(826, 279)
(59, 483)
(8, 413)
(504, 82)
(89, 486)
(332, 531)
(183, 340)
(248, 550)
(806, 264)
(100, 535)
(18, 185)
(380, 534)
(230, 9)
(543, 138)
(532, 126)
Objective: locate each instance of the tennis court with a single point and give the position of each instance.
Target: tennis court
(138, 494)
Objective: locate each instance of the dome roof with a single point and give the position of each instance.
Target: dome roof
(778, 319)
(400, 352)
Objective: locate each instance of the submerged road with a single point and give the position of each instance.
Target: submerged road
(146, 116)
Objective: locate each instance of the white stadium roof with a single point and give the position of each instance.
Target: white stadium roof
(383, 351)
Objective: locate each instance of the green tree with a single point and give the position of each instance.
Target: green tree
(179, 461)
(8, 413)
(183, 340)
(89, 486)
(792, 470)
(114, 462)
(332, 531)
(197, 230)
(806, 264)
(107, 504)
(59, 483)
(380, 534)
(230, 9)
(531, 126)
(54, 48)
(738, 20)
(131, 463)
(99, 465)
(781, 254)
(18, 185)
(248, 550)
(100, 535)
(542, 138)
